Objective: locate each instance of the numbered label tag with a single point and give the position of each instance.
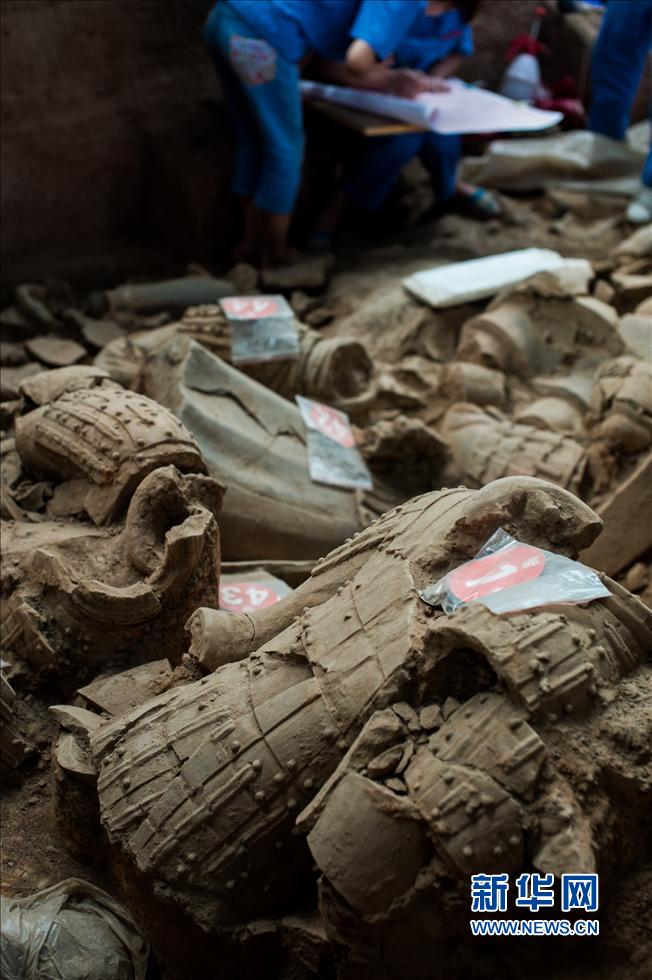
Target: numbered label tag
(331, 423)
(250, 596)
(256, 307)
(506, 568)
(332, 454)
(262, 329)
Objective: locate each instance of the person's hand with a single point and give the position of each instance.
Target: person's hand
(407, 83)
(438, 84)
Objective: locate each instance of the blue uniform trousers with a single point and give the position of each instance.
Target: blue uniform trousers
(619, 57)
(376, 170)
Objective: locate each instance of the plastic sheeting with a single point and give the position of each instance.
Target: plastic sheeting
(507, 575)
(580, 160)
(71, 931)
(463, 109)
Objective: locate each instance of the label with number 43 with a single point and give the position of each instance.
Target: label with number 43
(245, 596)
(262, 329)
(332, 454)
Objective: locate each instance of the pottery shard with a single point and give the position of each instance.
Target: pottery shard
(627, 530)
(430, 717)
(466, 382)
(487, 446)
(361, 825)
(169, 295)
(633, 284)
(551, 662)
(490, 733)
(255, 441)
(73, 758)
(118, 693)
(404, 452)
(80, 596)
(475, 821)
(644, 308)
(99, 333)
(72, 748)
(636, 331)
(427, 532)
(527, 335)
(638, 244)
(48, 385)
(11, 379)
(110, 437)
(56, 351)
(79, 721)
(553, 412)
(621, 404)
(385, 763)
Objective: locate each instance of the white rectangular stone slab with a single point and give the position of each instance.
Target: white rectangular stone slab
(464, 282)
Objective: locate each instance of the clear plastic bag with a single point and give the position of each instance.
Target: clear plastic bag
(262, 329)
(71, 931)
(507, 576)
(332, 454)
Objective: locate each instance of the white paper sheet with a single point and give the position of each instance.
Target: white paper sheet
(464, 282)
(463, 109)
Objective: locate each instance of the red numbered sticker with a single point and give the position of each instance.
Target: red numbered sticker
(332, 423)
(254, 307)
(511, 566)
(247, 596)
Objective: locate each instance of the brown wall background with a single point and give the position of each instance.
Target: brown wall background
(104, 117)
(115, 147)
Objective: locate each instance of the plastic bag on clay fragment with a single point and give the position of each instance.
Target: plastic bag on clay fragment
(507, 576)
(71, 931)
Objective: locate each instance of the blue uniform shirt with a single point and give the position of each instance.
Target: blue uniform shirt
(295, 27)
(431, 39)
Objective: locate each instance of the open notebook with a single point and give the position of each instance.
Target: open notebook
(463, 109)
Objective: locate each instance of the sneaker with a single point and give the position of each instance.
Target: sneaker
(640, 208)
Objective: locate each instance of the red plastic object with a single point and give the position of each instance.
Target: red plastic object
(509, 566)
(525, 44)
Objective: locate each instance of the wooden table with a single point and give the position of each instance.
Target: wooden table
(362, 122)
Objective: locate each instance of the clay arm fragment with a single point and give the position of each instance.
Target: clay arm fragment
(434, 532)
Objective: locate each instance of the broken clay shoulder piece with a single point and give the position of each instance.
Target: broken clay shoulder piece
(487, 445)
(79, 596)
(93, 430)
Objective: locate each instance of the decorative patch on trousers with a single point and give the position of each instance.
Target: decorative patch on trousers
(253, 60)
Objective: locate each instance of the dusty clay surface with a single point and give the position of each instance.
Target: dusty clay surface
(300, 789)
